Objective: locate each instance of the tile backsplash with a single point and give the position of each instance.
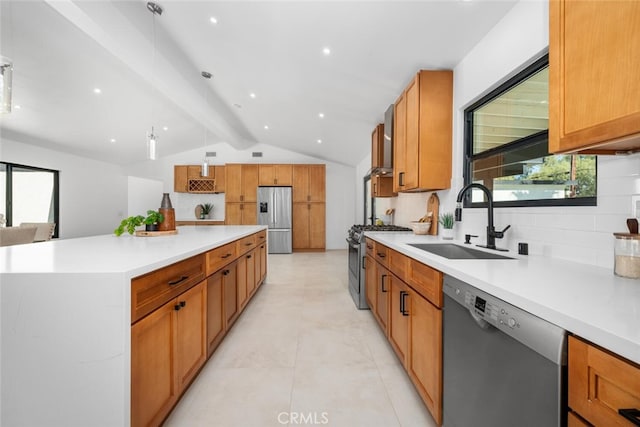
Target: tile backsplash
(581, 234)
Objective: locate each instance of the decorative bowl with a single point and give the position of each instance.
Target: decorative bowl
(420, 227)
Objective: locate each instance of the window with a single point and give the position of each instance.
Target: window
(28, 194)
(506, 147)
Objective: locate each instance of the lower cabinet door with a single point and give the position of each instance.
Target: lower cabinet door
(242, 282)
(251, 272)
(215, 311)
(154, 387)
(382, 296)
(425, 352)
(370, 283)
(230, 281)
(191, 333)
(399, 318)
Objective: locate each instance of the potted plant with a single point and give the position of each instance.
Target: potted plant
(447, 220)
(205, 210)
(129, 224)
(152, 220)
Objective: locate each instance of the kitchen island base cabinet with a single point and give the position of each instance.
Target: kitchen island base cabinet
(230, 279)
(215, 311)
(168, 348)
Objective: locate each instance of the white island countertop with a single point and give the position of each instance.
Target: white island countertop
(65, 322)
(586, 300)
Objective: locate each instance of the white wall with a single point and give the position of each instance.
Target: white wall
(340, 192)
(142, 195)
(93, 194)
(582, 234)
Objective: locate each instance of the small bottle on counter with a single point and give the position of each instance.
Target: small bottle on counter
(627, 255)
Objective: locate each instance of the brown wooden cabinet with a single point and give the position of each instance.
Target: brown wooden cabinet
(593, 76)
(168, 347)
(241, 182)
(309, 227)
(215, 310)
(601, 383)
(383, 286)
(309, 183)
(399, 304)
(241, 213)
(382, 186)
(423, 120)
(183, 173)
(275, 175)
(370, 282)
(230, 280)
(262, 249)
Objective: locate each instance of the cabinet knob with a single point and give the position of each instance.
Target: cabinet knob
(225, 272)
(177, 307)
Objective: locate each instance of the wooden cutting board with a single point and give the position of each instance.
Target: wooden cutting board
(144, 233)
(433, 205)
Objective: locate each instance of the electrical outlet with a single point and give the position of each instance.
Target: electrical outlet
(635, 206)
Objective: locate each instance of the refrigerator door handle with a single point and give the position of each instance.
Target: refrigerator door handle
(275, 208)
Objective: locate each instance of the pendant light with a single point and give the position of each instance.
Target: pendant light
(205, 162)
(152, 138)
(6, 72)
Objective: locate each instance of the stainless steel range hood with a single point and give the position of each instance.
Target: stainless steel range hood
(385, 165)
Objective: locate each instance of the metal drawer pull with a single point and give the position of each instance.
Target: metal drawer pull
(381, 255)
(403, 308)
(225, 256)
(225, 272)
(248, 244)
(382, 283)
(175, 282)
(631, 414)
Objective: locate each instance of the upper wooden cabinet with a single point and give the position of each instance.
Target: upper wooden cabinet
(377, 146)
(241, 182)
(183, 173)
(594, 107)
(382, 186)
(423, 117)
(309, 183)
(278, 175)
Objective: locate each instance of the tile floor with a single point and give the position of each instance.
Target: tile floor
(302, 354)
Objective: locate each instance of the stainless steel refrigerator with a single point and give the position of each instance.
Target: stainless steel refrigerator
(274, 211)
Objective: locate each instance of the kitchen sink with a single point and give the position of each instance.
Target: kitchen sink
(452, 251)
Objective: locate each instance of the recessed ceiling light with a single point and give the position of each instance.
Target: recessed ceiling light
(266, 127)
(97, 90)
(321, 115)
(326, 51)
(252, 95)
(112, 140)
(165, 128)
(319, 141)
(213, 20)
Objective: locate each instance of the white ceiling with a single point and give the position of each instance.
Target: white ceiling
(63, 49)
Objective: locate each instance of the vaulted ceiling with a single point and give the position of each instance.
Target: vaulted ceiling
(272, 81)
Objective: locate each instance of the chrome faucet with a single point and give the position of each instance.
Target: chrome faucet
(492, 234)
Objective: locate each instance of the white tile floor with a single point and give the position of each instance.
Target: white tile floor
(301, 349)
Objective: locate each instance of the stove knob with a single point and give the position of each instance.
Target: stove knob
(512, 322)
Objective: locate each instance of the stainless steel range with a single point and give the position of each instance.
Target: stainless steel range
(357, 252)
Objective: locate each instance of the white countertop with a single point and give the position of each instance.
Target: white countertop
(586, 300)
(130, 255)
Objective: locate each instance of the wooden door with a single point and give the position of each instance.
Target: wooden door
(230, 286)
(301, 183)
(219, 174)
(249, 213)
(153, 383)
(251, 272)
(215, 311)
(233, 213)
(191, 333)
(263, 261)
(249, 183)
(317, 183)
(284, 174)
(317, 225)
(412, 147)
(300, 230)
(180, 179)
(425, 352)
(242, 282)
(593, 74)
(233, 183)
(382, 296)
(399, 143)
(399, 318)
(266, 174)
(370, 282)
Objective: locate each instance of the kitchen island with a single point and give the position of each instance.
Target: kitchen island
(65, 313)
(588, 301)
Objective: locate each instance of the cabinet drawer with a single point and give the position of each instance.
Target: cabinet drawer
(601, 383)
(382, 254)
(371, 246)
(154, 289)
(261, 237)
(426, 281)
(398, 264)
(219, 257)
(245, 244)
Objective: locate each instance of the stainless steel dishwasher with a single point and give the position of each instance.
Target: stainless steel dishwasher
(502, 366)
